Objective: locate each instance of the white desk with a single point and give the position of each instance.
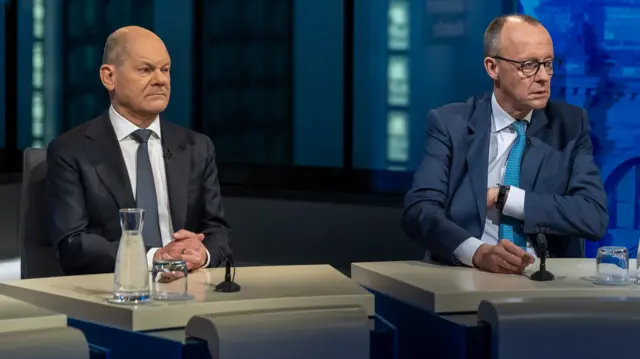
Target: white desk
(20, 316)
(263, 288)
(27, 331)
(446, 289)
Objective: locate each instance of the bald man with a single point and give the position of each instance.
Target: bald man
(508, 165)
(130, 157)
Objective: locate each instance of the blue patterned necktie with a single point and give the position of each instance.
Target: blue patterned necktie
(508, 225)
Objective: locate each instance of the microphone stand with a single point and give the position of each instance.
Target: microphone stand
(228, 285)
(542, 275)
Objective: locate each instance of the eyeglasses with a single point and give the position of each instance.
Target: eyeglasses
(531, 67)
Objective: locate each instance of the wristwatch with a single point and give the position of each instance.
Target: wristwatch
(502, 196)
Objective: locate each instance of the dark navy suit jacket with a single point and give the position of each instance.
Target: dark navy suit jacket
(564, 199)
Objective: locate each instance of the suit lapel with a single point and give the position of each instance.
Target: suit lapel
(478, 153)
(178, 167)
(106, 157)
(535, 150)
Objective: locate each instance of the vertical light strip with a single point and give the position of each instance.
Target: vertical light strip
(398, 89)
(37, 94)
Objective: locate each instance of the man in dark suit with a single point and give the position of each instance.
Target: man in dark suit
(504, 166)
(129, 158)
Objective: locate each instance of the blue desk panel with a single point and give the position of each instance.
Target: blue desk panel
(115, 343)
(422, 334)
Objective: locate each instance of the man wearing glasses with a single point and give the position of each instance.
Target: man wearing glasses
(507, 165)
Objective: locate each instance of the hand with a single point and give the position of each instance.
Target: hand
(504, 257)
(186, 246)
(492, 196)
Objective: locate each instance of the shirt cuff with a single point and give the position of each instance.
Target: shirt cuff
(206, 263)
(150, 254)
(465, 251)
(514, 207)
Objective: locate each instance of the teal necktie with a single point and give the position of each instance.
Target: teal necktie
(509, 226)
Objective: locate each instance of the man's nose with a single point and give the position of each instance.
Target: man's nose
(542, 74)
(160, 77)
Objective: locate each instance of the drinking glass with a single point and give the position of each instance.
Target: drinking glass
(131, 277)
(169, 280)
(612, 265)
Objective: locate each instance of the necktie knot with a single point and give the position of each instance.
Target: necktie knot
(519, 127)
(142, 135)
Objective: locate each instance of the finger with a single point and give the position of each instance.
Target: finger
(191, 258)
(528, 259)
(525, 257)
(167, 255)
(505, 265)
(494, 267)
(189, 237)
(512, 248)
(182, 234)
(191, 252)
(187, 244)
(179, 235)
(508, 256)
(501, 270)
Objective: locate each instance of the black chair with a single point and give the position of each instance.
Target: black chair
(38, 258)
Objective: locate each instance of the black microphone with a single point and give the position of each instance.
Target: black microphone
(167, 153)
(540, 246)
(228, 285)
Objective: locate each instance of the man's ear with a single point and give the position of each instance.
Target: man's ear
(491, 65)
(108, 77)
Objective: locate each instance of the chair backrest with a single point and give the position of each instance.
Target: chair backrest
(38, 258)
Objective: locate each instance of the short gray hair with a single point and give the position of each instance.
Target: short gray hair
(114, 49)
(492, 34)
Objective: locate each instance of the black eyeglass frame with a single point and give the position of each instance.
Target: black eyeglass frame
(548, 65)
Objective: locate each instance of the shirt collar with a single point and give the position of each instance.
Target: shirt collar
(124, 128)
(500, 119)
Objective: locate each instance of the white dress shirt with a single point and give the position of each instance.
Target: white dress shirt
(503, 136)
(129, 147)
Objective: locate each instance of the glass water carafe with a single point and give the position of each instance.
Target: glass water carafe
(131, 277)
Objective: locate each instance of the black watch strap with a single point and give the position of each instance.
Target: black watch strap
(502, 196)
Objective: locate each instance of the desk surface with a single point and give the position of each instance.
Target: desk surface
(447, 289)
(19, 316)
(263, 288)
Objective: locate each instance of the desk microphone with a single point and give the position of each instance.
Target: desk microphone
(228, 285)
(167, 153)
(540, 246)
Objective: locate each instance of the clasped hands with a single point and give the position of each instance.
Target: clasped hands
(504, 257)
(185, 246)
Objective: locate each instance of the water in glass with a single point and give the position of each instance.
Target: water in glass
(131, 277)
(612, 265)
